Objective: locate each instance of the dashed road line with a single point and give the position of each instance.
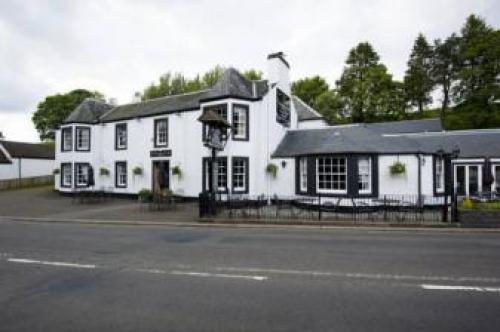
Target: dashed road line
(63, 264)
(461, 288)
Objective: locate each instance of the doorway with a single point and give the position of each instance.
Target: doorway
(161, 175)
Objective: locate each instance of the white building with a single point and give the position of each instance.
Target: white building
(20, 160)
(136, 146)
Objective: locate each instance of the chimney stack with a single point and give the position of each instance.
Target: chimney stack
(278, 71)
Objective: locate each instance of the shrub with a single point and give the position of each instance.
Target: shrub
(176, 170)
(272, 170)
(103, 171)
(397, 168)
(467, 204)
(145, 195)
(137, 170)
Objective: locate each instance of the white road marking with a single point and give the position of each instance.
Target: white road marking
(219, 275)
(360, 275)
(461, 288)
(63, 264)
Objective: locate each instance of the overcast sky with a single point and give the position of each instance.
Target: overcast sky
(119, 47)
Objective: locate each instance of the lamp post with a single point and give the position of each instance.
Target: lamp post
(216, 132)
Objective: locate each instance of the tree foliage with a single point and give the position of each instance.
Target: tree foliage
(309, 89)
(52, 111)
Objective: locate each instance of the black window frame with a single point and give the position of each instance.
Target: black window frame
(82, 128)
(246, 160)
(246, 108)
(155, 138)
(61, 180)
(206, 181)
(121, 126)
(120, 163)
(65, 129)
(216, 107)
(75, 174)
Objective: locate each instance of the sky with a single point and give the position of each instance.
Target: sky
(120, 47)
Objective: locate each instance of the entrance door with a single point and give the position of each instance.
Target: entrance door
(161, 175)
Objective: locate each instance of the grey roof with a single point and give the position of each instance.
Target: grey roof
(407, 126)
(230, 84)
(89, 111)
(304, 111)
(29, 150)
(358, 138)
(3, 157)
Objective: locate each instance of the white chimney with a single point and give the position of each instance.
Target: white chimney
(278, 71)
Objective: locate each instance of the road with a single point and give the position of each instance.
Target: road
(76, 277)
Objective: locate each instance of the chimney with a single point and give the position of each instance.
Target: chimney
(278, 71)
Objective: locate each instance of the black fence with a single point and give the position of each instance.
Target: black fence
(388, 208)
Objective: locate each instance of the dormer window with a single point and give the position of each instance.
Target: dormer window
(82, 139)
(121, 136)
(66, 139)
(240, 122)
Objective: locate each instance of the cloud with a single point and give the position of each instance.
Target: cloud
(119, 47)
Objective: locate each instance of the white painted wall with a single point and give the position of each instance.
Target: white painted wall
(25, 168)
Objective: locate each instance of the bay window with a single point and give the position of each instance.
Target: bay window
(81, 175)
(82, 139)
(331, 175)
(240, 122)
(66, 175)
(364, 175)
(66, 139)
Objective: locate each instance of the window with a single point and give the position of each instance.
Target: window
(81, 175)
(439, 174)
(303, 173)
(240, 174)
(221, 174)
(82, 139)
(496, 173)
(468, 179)
(364, 175)
(282, 108)
(121, 174)
(121, 136)
(66, 139)
(161, 132)
(218, 109)
(240, 122)
(66, 175)
(332, 175)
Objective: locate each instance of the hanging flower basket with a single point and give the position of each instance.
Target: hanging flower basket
(177, 171)
(103, 171)
(137, 171)
(272, 170)
(397, 168)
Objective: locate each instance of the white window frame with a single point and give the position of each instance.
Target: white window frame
(121, 174)
(81, 173)
(239, 174)
(220, 175)
(67, 175)
(303, 174)
(67, 139)
(439, 174)
(161, 138)
(121, 136)
(365, 175)
(82, 142)
(332, 175)
(466, 175)
(240, 122)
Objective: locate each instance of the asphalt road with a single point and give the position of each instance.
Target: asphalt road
(70, 277)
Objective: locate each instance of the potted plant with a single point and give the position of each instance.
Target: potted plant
(272, 170)
(145, 195)
(56, 171)
(177, 171)
(103, 171)
(397, 168)
(137, 170)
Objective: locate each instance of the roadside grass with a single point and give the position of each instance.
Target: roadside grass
(482, 206)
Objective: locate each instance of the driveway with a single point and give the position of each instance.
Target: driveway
(44, 202)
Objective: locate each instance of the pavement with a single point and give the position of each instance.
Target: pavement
(88, 277)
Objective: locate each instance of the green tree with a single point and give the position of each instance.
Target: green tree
(364, 85)
(309, 88)
(444, 68)
(418, 81)
(252, 74)
(52, 111)
(329, 104)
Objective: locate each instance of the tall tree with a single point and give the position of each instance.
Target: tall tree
(308, 89)
(52, 111)
(252, 74)
(329, 104)
(364, 84)
(418, 81)
(444, 68)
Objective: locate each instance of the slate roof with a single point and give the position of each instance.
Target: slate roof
(231, 84)
(407, 126)
(29, 150)
(371, 138)
(89, 111)
(304, 111)
(3, 158)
